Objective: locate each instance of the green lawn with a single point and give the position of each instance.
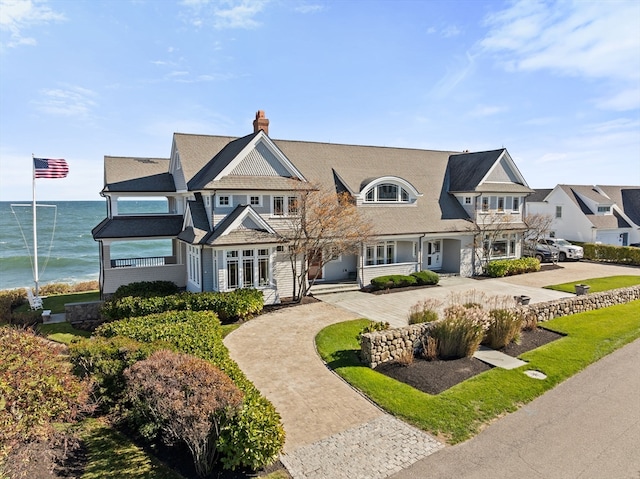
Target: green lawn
(56, 302)
(598, 284)
(62, 332)
(463, 410)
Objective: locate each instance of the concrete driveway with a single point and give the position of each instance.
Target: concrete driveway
(394, 307)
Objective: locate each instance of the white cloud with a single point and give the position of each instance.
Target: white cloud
(596, 40)
(450, 31)
(309, 8)
(225, 14)
(453, 76)
(16, 16)
(69, 101)
(625, 100)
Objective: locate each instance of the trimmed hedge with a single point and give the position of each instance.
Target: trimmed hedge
(255, 436)
(230, 306)
(612, 254)
(146, 289)
(426, 277)
(391, 281)
(510, 267)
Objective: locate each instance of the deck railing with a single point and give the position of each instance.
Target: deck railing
(143, 262)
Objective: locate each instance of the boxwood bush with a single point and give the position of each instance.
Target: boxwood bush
(426, 277)
(230, 306)
(146, 289)
(255, 436)
(508, 267)
(393, 281)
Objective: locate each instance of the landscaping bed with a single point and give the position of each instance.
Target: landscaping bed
(435, 376)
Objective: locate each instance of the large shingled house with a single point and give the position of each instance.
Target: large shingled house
(229, 201)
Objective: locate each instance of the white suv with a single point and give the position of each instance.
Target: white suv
(565, 249)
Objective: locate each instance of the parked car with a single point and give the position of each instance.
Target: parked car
(635, 245)
(565, 249)
(542, 252)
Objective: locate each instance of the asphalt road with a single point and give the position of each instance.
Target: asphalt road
(588, 427)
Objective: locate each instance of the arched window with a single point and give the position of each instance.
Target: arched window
(387, 192)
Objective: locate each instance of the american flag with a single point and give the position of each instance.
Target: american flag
(45, 168)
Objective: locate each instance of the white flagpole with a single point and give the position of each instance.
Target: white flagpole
(35, 229)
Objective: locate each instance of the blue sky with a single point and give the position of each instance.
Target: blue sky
(556, 83)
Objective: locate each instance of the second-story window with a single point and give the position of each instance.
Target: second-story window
(224, 200)
(254, 200)
(558, 211)
(285, 205)
(485, 203)
(388, 193)
(467, 200)
(604, 209)
(500, 204)
(516, 204)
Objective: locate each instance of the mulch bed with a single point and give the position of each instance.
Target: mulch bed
(433, 377)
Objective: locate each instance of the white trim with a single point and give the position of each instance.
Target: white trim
(228, 205)
(261, 137)
(394, 180)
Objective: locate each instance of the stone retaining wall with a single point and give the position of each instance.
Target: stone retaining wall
(382, 346)
(84, 315)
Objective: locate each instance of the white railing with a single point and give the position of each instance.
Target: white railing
(142, 262)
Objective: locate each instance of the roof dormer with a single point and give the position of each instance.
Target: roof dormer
(388, 190)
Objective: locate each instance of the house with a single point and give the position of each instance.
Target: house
(592, 214)
(230, 201)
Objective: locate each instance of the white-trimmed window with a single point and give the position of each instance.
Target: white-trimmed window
(467, 200)
(558, 211)
(248, 268)
(502, 247)
(604, 209)
(386, 193)
(516, 204)
(255, 200)
(193, 264)
(380, 253)
(224, 201)
(501, 204)
(284, 205)
(485, 203)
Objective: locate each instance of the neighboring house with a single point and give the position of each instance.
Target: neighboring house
(593, 214)
(230, 202)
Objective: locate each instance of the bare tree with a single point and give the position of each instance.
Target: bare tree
(538, 225)
(325, 226)
(489, 235)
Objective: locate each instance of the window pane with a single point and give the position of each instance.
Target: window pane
(278, 205)
(390, 253)
(516, 203)
(500, 203)
(292, 203)
(254, 201)
(387, 192)
(232, 274)
(404, 195)
(370, 194)
(499, 248)
(370, 255)
(380, 254)
(263, 272)
(247, 272)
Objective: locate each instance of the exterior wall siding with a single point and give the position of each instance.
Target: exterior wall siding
(339, 270)
(282, 276)
(260, 162)
(116, 277)
(370, 272)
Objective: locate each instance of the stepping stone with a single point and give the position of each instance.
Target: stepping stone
(497, 359)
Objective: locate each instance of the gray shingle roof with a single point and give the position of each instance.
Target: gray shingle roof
(222, 235)
(197, 233)
(539, 195)
(466, 170)
(147, 226)
(627, 198)
(124, 174)
(612, 221)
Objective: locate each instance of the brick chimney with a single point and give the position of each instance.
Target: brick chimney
(261, 123)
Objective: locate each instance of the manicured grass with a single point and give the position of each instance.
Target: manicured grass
(62, 332)
(110, 454)
(229, 328)
(463, 410)
(598, 284)
(56, 302)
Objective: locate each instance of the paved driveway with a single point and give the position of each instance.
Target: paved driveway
(394, 307)
(334, 432)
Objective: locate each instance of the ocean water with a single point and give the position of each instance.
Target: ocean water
(67, 252)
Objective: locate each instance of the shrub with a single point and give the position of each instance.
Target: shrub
(189, 398)
(426, 277)
(429, 348)
(393, 281)
(509, 267)
(459, 334)
(104, 361)
(37, 388)
(146, 289)
(230, 306)
(10, 299)
(405, 357)
(612, 254)
(65, 288)
(504, 326)
(424, 311)
(254, 437)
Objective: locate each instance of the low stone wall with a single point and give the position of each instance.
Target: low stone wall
(579, 304)
(84, 315)
(382, 346)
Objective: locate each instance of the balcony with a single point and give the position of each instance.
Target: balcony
(143, 262)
